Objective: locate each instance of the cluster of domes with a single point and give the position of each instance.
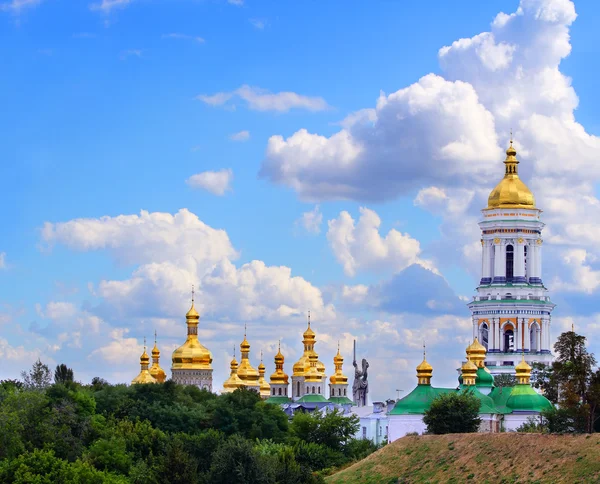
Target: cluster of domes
(154, 374)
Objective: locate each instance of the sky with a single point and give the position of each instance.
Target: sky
(284, 157)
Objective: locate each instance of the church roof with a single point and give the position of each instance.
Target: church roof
(419, 400)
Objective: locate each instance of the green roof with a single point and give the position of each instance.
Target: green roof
(484, 378)
(341, 400)
(524, 398)
(278, 400)
(488, 406)
(511, 301)
(500, 395)
(312, 398)
(418, 401)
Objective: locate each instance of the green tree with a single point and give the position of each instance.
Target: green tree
(452, 413)
(236, 461)
(38, 378)
(63, 374)
(505, 380)
(177, 466)
(334, 429)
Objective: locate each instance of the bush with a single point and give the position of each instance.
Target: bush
(453, 413)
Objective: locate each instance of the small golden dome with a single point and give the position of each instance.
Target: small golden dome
(192, 313)
(279, 376)
(155, 351)
(523, 371)
(233, 382)
(424, 372)
(144, 358)
(144, 376)
(476, 353)
(469, 372)
(244, 345)
(511, 192)
(155, 370)
(338, 377)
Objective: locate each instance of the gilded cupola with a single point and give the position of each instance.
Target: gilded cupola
(233, 382)
(247, 373)
(476, 353)
(279, 377)
(424, 371)
(265, 388)
(511, 192)
(338, 377)
(469, 373)
(155, 370)
(303, 364)
(144, 375)
(192, 355)
(523, 372)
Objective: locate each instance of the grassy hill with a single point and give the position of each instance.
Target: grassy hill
(492, 458)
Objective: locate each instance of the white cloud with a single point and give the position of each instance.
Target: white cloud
(126, 54)
(15, 6)
(258, 23)
(240, 136)
(179, 36)
(584, 277)
(311, 221)
(215, 182)
(262, 100)
(146, 238)
(355, 294)
(120, 350)
(106, 6)
(360, 247)
(2, 260)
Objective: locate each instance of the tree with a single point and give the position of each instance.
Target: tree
(38, 378)
(63, 374)
(453, 413)
(542, 378)
(334, 429)
(505, 380)
(236, 461)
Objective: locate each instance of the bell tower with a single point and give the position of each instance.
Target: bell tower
(511, 311)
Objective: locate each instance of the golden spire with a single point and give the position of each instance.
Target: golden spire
(234, 381)
(192, 355)
(523, 371)
(469, 373)
(265, 388)
(338, 377)
(144, 375)
(247, 373)
(424, 370)
(155, 370)
(476, 353)
(511, 192)
(279, 377)
(303, 364)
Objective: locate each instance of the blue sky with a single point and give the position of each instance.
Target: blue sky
(111, 107)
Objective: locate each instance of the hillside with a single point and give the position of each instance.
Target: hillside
(497, 458)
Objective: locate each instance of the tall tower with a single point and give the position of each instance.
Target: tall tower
(511, 310)
(191, 362)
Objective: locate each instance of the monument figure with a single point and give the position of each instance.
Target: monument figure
(360, 387)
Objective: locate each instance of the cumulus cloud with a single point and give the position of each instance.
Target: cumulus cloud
(106, 6)
(240, 136)
(179, 36)
(359, 246)
(15, 6)
(215, 182)
(259, 99)
(311, 221)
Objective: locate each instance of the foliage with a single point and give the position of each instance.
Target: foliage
(63, 374)
(453, 413)
(332, 429)
(38, 378)
(505, 380)
(534, 425)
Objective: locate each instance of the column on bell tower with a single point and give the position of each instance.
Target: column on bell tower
(519, 271)
(499, 262)
(486, 262)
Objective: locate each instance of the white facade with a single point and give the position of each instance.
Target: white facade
(200, 378)
(511, 311)
(374, 422)
(514, 420)
(400, 425)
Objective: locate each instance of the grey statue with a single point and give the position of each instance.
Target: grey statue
(360, 387)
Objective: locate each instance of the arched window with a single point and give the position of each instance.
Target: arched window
(509, 340)
(273, 392)
(339, 392)
(319, 389)
(280, 392)
(307, 390)
(344, 392)
(510, 259)
(533, 337)
(313, 390)
(484, 335)
(525, 262)
(298, 389)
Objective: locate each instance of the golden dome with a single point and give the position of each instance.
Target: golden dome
(312, 375)
(523, 371)
(233, 382)
(424, 372)
(279, 376)
(264, 387)
(338, 377)
(144, 376)
(192, 355)
(511, 192)
(247, 373)
(303, 364)
(469, 372)
(476, 353)
(155, 370)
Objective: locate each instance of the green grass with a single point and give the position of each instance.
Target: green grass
(494, 458)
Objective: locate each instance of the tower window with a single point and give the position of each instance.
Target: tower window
(313, 389)
(509, 341)
(510, 258)
(484, 335)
